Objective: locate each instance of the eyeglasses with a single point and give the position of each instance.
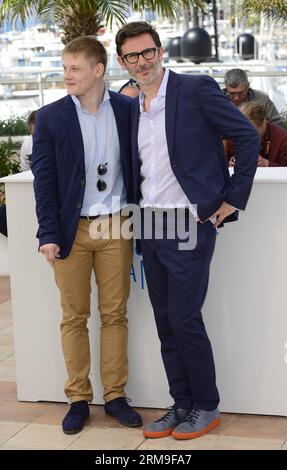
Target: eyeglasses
(102, 170)
(133, 57)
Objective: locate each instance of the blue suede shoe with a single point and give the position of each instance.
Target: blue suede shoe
(120, 409)
(76, 417)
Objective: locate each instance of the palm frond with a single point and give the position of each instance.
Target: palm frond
(170, 9)
(109, 10)
(78, 17)
(14, 10)
(114, 10)
(274, 9)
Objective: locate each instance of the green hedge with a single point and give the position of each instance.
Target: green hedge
(15, 125)
(9, 163)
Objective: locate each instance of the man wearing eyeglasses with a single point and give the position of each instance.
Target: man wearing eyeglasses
(81, 160)
(238, 90)
(178, 124)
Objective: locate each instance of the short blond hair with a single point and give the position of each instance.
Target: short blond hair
(90, 47)
(254, 111)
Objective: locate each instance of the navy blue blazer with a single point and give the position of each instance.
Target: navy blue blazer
(58, 166)
(197, 118)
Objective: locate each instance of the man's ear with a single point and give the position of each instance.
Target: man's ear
(100, 70)
(121, 62)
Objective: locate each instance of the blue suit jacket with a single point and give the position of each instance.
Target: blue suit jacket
(198, 117)
(59, 167)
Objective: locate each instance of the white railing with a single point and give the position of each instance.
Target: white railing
(44, 78)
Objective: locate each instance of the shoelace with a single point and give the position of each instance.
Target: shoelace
(126, 401)
(193, 416)
(168, 415)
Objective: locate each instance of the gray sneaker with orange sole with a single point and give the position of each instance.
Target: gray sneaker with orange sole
(196, 424)
(164, 426)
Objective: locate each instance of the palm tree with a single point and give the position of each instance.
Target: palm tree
(274, 9)
(83, 17)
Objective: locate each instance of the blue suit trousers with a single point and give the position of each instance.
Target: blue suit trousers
(177, 283)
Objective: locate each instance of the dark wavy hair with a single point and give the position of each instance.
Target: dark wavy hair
(136, 28)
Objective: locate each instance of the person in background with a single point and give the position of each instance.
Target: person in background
(130, 88)
(27, 145)
(238, 90)
(273, 147)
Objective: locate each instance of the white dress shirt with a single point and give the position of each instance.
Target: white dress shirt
(101, 145)
(160, 187)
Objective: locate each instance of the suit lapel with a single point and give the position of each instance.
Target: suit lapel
(74, 131)
(122, 125)
(170, 111)
(135, 115)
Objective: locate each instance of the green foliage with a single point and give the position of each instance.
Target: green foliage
(274, 9)
(284, 119)
(83, 17)
(9, 163)
(15, 125)
(9, 158)
(252, 20)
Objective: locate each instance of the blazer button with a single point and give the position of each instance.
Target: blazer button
(79, 205)
(82, 182)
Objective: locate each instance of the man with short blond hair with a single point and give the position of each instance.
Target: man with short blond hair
(81, 161)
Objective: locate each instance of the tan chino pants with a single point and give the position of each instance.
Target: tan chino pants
(111, 261)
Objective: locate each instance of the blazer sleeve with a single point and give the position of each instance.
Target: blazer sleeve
(232, 124)
(43, 167)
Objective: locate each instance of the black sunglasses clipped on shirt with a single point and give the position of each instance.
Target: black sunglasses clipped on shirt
(102, 170)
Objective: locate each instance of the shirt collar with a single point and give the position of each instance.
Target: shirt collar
(105, 98)
(161, 90)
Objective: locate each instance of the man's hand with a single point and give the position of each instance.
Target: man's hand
(224, 210)
(51, 252)
(262, 161)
